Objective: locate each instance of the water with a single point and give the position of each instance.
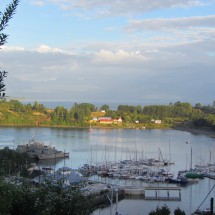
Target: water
(118, 144)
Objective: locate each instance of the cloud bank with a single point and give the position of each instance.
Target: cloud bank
(117, 50)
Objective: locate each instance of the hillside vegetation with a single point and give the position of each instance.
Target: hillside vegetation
(179, 114)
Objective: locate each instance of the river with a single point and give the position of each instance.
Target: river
(119, 144)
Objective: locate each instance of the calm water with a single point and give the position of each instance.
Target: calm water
(118, 144)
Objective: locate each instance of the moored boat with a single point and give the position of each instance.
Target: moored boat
(178, 180)
(194, 175)
(40, 151)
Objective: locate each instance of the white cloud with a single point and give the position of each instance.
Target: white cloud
(12, 48)
(126, 7)
(47, 49)
(128, 71)
(173, 30)
(160, 24)
(118, 56)
(39, 3)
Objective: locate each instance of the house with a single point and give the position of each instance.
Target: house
(64, 174)
(94, 119)
(157, 121)
(105, 120)
(119, 120)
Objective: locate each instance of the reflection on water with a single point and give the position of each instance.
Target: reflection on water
(103, 145)
(51, 162)
(192, 197)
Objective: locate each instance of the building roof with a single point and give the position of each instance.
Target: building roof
(73, 177)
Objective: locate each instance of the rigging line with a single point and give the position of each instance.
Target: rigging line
(205, 198)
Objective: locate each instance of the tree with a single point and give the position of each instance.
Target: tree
(198, 106)
(161, 211)
(3, 74)
(178, 211)
(12, 161)
(47, 199)
(166, 211)
(105, 107)
(4, 19)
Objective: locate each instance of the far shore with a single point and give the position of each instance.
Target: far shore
(205, 131)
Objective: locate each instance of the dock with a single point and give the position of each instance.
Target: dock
(163, 193)
(155, 193)
(131, 191)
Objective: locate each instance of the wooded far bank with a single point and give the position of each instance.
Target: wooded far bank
(173, 115)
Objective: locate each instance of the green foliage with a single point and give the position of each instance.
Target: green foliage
(177, 110)
(129, 109)
(178, 114)
(39, 107)
(161, 211)
(59, 116)
(105, 107)
(166, 211)
(4, 19)
(47, 199)
(24, 172)
(3, 75)
(211, 120)
(178, 211)
(201, 122)
(12, 162)
(112, 114)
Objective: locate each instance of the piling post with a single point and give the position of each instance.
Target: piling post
(212, 205)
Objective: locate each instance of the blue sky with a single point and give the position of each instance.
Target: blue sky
(130, 51)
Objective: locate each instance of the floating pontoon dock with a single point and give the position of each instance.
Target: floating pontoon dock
(163, 193)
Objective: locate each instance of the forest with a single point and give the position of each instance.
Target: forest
(173, 115)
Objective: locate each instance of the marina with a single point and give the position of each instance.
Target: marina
(114, 146)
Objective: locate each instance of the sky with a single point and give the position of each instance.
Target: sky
(124, 51)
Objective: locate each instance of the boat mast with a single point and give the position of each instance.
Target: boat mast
(191, 157)
(191, 154)
(115, 150)
(169, 152)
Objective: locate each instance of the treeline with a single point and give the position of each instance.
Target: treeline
(46, 199)
(174, 114)
(15, 113)
(20, 196)
(13, 162)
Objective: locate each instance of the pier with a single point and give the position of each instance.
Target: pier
(163, 193)
(155, 193)
(134, 191)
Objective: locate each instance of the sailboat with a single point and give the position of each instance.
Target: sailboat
(90, 129)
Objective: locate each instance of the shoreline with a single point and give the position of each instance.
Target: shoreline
(197, 131)
(204, 131)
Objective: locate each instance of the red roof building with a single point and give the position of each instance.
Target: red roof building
(106, 120)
